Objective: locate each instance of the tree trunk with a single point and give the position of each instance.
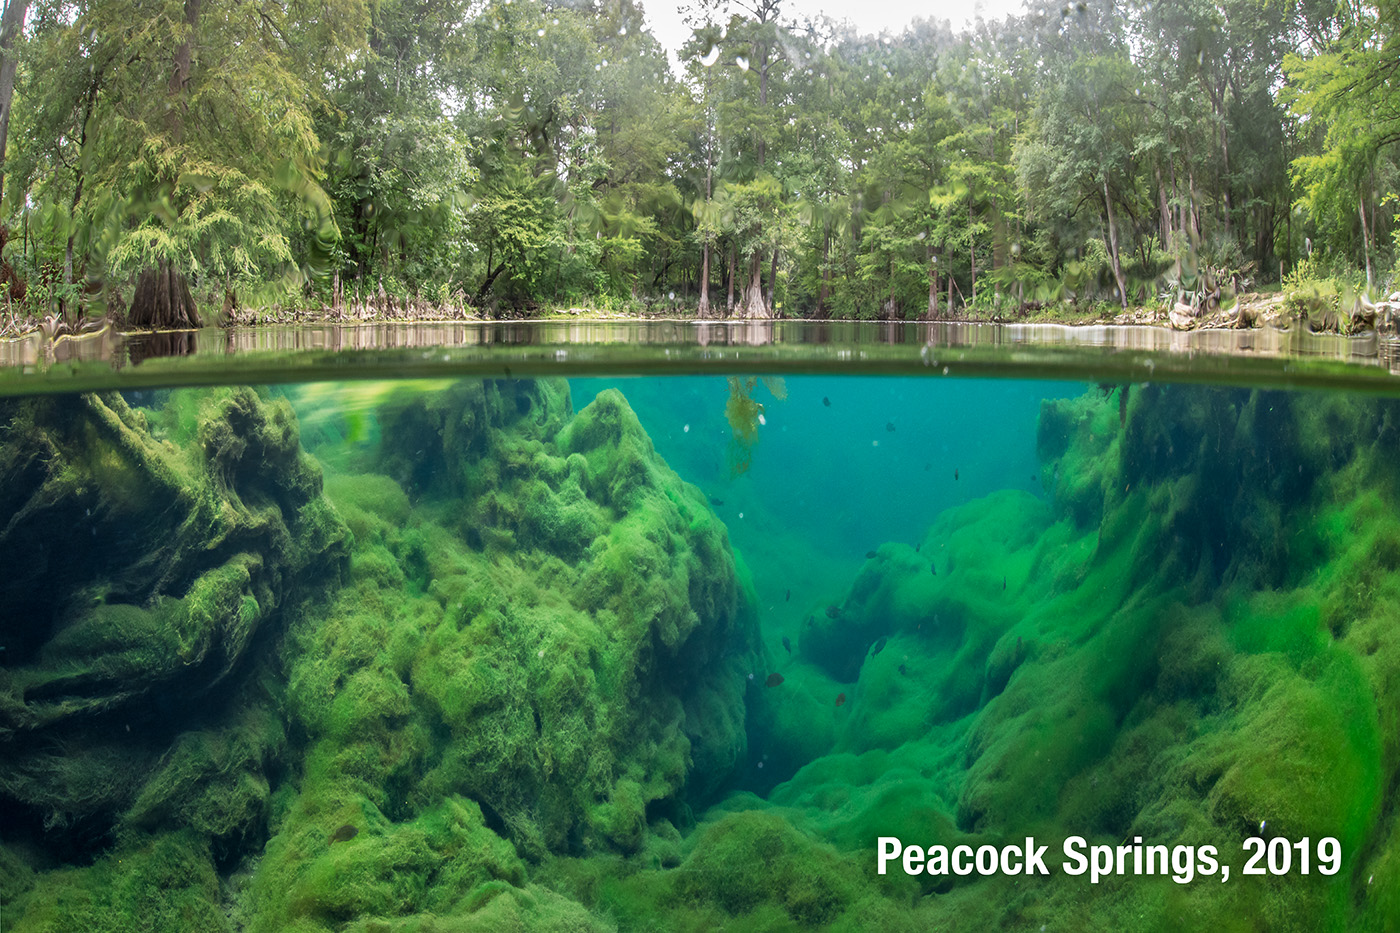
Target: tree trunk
(705, 282)
(932, 284)
(162, 300)
(72, 231)
(972, 253)
(1113, 248)
(1365, 238)
(1165, 211)
(752, 303)
(733, 271)
(773, 283)
(180, 76)
(11, 25)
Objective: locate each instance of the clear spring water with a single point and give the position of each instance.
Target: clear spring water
(675, 653)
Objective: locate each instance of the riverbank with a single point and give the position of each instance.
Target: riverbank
(1251, 310)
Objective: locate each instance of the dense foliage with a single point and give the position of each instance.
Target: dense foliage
(512, 153)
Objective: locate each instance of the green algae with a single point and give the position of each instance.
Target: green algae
(178, 558)
(164, 885)
(1092, 692)
(496, 645)
(537, 691)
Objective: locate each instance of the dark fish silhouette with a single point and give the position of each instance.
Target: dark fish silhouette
(927, 467)
(773, 679)
(869, 555)
(879, 646)
(788, 597)
(955, 474)
(826, 401)
(832, 612)
(1003, 583)
(344, 833)
(840, 699)
(933, 569)
(714, 501)
(787, 645)
(811, 622)
(889, 426)
(903, 669)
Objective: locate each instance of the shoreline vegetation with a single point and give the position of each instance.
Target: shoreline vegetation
(1317, 314)
(172, 165)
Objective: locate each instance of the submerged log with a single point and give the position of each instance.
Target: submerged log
(163, 300)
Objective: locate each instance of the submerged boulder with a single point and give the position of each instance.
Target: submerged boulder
(145, 556)
(1192, 642)
(543, 622)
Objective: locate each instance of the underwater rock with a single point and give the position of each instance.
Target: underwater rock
(185, 533)
(549, 626)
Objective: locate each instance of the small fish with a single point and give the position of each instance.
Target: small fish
(840, 699)
(714, 501)
(788, 597)
(787, 645)
(889, 426)
(344, 833)
(933, 569)
(811, 622)
(955, 474)
(927, 467)
(903, 669)
(1003, 583)
(879, 646)
(826, 401)
(832, 612)
(869, 555)
(773, 679)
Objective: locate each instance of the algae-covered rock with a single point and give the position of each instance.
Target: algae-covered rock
(1191, 643)
(166, 884)
(145, 554)
(546, 625)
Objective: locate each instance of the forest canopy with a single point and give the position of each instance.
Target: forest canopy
(513, 154)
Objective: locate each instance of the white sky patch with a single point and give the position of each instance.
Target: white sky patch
(869, 16)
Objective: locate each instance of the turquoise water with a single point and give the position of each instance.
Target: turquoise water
(693, 652)
(829, 483)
